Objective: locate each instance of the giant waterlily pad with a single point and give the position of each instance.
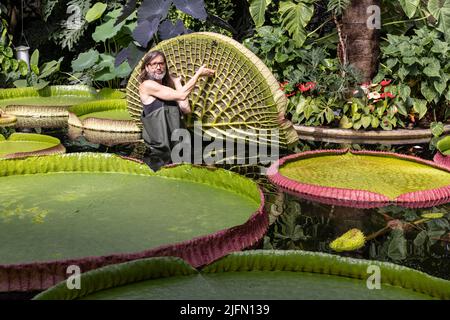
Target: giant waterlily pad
(242, 101)
(97, 209)
(20, 145)
(363, 178)
(52, 101)
(253, 275)
(108, 115)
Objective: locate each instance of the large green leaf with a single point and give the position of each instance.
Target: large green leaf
(96, 11)
(258, 11)
(85, 60)
(260, 274)
(440, 10)
(34, 60)
(420, 106)
(410, 7)
(295, 17)
(107, 30)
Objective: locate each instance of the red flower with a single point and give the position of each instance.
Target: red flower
(385, 95)
(283, 84)
(306, 87)
(290, 94)
(385, 83)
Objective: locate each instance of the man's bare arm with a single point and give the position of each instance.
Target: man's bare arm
(153, 88)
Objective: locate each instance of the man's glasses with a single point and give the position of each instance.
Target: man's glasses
(155, 64)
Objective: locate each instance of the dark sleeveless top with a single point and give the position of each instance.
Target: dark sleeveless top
(157, 104)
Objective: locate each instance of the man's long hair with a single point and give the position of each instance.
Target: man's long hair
(144, 75)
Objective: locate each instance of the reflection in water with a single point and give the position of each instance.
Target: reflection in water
(406, 238)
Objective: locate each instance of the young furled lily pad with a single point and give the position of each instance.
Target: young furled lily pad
(92, 210)
(364, 179)
(260, 274)
(442, 157)
(20, 145)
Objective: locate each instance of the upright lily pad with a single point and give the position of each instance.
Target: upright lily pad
(96, 209)
(261, 274)
(243, 96)
(363, 179)
(442, 157)
(20, 145)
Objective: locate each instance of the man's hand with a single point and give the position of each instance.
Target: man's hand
(206, 72)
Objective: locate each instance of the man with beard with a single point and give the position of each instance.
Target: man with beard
(164, 99)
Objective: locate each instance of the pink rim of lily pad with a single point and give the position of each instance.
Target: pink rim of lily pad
(442, 160)
(357, 198)
(198, 251)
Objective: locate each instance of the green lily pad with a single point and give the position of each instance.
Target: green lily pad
(261, 274)
(27, 144)
(108, 115)
(63, 209)
(363, 179)
(384, 175)
(99, 213)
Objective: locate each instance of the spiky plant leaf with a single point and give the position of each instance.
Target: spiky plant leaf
(338, 6)
(353, 239)
(243, 100)
(295, 16)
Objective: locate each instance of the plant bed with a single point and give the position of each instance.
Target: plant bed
(399, 136)
(92, 210)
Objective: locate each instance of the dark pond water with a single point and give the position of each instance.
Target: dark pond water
(300, 224)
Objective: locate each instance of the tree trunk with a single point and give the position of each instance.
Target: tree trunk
(361, 40)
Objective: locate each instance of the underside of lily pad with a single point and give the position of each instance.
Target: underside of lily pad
(243, 96)
(260, 275)
(20, 145)
(364, 179)
(7, 120)
(92, 210)
(108, 115)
